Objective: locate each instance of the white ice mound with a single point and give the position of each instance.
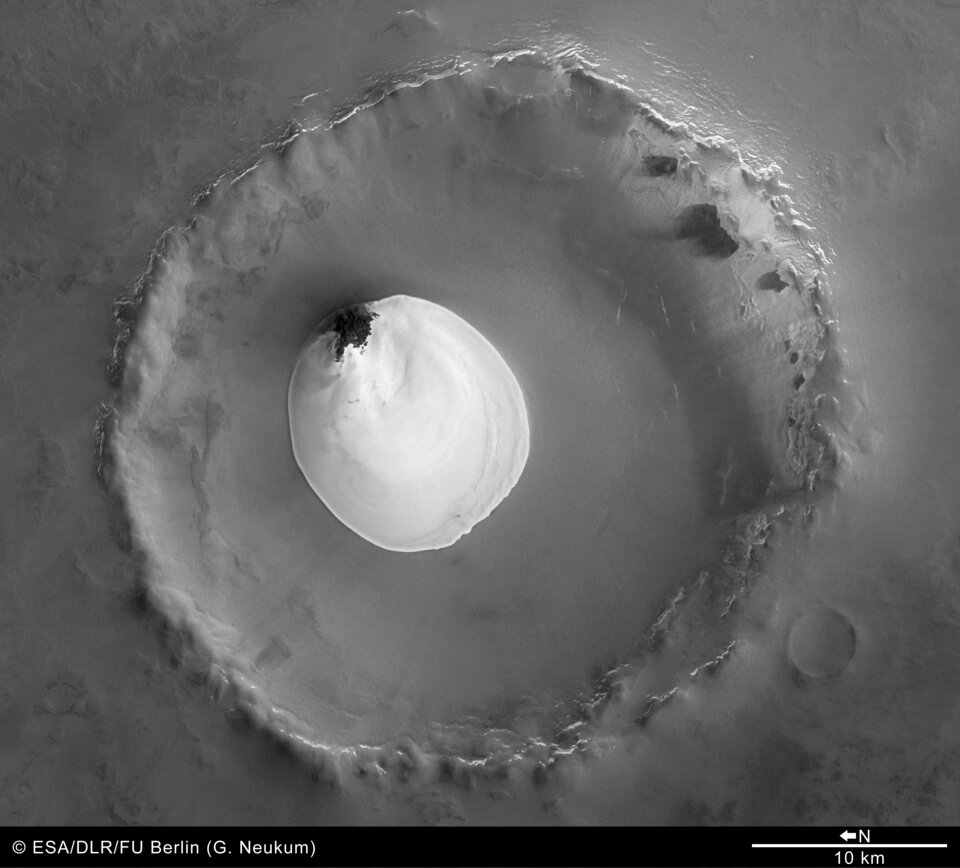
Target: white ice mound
(407, 422)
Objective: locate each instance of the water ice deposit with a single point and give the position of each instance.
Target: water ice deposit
(406, 422)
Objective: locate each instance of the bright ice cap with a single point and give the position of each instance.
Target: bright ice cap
(406, 422)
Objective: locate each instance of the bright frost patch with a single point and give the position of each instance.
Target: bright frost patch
(406, 422)
(659, 301)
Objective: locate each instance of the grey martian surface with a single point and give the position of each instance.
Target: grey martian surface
(716, 244)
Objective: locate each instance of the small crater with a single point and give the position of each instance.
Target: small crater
(821, 643)
(60, 698)
(702, 224)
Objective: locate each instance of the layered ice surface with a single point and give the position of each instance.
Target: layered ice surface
(657, 299)
(406, 422)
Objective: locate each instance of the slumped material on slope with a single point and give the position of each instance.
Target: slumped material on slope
(679, 415)
(410, 427)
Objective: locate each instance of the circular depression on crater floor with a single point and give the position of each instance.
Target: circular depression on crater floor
(821, 643)
(658, 307)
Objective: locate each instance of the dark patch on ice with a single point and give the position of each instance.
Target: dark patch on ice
(659, 166)
(771, 280)
(701, 223)
(352, 326)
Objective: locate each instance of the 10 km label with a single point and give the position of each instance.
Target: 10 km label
(849, 857)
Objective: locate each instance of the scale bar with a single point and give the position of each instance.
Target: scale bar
(853, 846)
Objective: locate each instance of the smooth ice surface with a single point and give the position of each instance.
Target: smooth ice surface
(413, 435)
